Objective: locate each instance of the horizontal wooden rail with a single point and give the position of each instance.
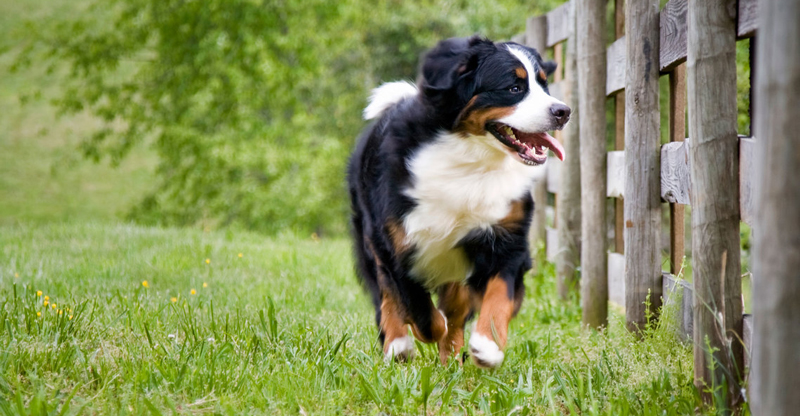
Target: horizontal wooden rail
(558, 24)
(673, 47)
(616, 278)
(615, 66)
(615, 174)
(676, 184)
(680, 290)
(557, 90)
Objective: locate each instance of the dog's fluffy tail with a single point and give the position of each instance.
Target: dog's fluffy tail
(386, 96)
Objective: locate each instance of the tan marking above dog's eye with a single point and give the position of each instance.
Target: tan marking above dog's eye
(542, 75)
(521, 72)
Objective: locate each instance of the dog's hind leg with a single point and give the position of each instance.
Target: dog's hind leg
(498, 305)
(455, 302)
(397, 344)
(428, 324)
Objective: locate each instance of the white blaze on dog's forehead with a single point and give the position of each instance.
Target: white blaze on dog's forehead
(532, 114)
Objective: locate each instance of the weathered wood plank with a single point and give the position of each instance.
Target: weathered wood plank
(568, 198)
(716, 265)
(615, 79)
(591, 102)
(642, 174)
(536, 33)
(678, 290)
(677, 133)
(558, 24)
(673, 34)
(747, 337)
(553, 167)
(552, 244)
(615, 174)
(557, 91)
(619, 133)
(616, 278)
(775, 378)
(676, 183)
(747, 18)
(536, 37)
(747, 153)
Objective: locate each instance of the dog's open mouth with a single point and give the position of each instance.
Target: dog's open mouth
(531, 147)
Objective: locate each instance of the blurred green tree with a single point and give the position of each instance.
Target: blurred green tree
(251, 105)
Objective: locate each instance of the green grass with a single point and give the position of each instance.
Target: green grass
(284, 329)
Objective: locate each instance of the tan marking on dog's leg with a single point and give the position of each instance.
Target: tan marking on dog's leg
(489, 337)
(396, 342)
(455, 303)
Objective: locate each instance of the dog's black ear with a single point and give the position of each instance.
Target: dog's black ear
(449, 61)
(549, 67)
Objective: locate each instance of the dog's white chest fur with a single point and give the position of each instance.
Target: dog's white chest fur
(459, 184)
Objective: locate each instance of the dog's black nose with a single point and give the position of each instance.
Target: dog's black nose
(561, 112)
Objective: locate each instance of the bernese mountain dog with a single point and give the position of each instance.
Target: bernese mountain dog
(440, 191)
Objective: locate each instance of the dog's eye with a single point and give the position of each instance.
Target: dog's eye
(515, 89)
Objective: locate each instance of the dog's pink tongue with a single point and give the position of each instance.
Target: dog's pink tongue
(551, 143)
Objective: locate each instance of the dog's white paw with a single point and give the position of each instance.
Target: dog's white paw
(485, 352)
(400, 349)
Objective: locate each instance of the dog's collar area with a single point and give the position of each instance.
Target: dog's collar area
(531, 147)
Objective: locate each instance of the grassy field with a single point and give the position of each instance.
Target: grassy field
(43, 176)
(109, 319)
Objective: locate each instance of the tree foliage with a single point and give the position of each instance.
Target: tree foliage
(252, 106)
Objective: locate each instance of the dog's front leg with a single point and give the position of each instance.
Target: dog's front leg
(428, 324)
(455, 303)
(488, 339)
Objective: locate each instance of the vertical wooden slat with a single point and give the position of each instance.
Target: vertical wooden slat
(677, 133)
(776, 259)
(711, 78)
(536, 37)
(591, 101)
(568, 198)
(558, 76)
(642, 163)
(619, 140)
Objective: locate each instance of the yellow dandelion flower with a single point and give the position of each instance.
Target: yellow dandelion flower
(194, 292)
(205, 284)
(38, 314)
(46, 297)
(53, 305)
(240, 255)
(16, 275)
(173, 299)
(45, 303)
(60, 312)
(70, 317)
(39, 293)
(208, 261)
(145, 284)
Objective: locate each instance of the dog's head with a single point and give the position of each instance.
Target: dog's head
(495, 92)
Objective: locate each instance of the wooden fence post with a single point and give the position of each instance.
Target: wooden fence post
(776, 259)
(591, 103)
(711, 76)
(568, 198)
(619, 133)
(536, 37)
(642, 163)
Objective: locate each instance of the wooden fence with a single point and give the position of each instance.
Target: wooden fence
(713, 170)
